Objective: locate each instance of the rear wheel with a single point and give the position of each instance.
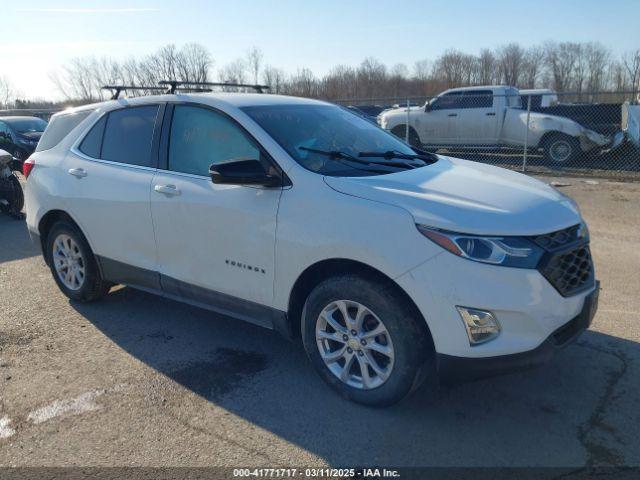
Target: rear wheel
(560, 149)
(365, 341)
(73, 264)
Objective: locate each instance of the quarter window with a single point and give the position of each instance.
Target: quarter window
(201, 137)
(92, 143)
(59, 127)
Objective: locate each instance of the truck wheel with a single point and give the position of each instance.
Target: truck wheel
(560, 149)
(400, 131)
(73, 264)
(365, 341)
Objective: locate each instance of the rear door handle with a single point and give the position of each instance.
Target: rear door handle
(170, 190)
(78, 172)
(452, 115)
(490, 114)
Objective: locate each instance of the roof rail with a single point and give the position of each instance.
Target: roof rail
(116, 89)
(174, 84)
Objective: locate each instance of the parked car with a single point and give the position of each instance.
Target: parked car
(540, 97)
(489, 118)
(19, 135)
(390, 264)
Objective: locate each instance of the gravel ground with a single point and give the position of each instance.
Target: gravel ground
(140, 380)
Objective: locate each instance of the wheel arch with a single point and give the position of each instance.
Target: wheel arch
(316, 273)
(402, 128)
(46, 223)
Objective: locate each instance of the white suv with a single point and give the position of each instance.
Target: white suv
(389, 263)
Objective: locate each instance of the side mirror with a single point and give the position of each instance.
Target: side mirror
(243, 171)
(427, 107)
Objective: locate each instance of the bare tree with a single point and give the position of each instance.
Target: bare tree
(561, 61)
(274, 77)
(485, 71)
(454, 68)
(511, 60)
(6, 92)
(234, 72)
(631, 62)
(194, 63)
(598, 59)
(422, 70)
(254, 62)
(532, 67)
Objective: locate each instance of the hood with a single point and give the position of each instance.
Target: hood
(468, 197)
(401, 110)
(31, 135)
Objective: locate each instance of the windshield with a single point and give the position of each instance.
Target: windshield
(27, 125)
(301, 129)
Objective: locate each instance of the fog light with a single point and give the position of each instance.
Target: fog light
(481, 325)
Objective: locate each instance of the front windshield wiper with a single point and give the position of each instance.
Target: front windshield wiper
(390, 154)
(338, 155)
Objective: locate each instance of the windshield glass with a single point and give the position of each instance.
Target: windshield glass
(26, 125)
(299, 129)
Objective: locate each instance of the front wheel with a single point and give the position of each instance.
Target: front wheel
(560, 149)
(365, 341)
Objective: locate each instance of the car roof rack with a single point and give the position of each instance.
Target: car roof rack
(117, 89)
(172, 85)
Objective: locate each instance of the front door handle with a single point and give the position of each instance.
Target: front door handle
(452, 115)
(490, 114)
(78, 172)
(170, 190)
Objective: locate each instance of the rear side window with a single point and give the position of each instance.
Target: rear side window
(128, 135)
(92, 143)
(477, 99)
(59, 127)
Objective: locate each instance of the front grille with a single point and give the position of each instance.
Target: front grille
(559, 239)
(570, 271)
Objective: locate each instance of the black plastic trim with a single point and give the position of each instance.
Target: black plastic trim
(163, 285)
(119, 272)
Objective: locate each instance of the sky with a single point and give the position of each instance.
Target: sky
(37, 37)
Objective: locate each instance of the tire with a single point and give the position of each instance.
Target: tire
(16, 202)
(400, 132)
(87, 287)
(410, 353)
(560, 149)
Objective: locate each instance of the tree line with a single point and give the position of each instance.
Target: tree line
(563, 66)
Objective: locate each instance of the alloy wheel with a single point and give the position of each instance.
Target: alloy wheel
(68, 262)
(354, 344)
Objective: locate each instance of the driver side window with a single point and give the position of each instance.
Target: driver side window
(201, 137)
(448, 101)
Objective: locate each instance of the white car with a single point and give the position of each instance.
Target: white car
(390, 264)
(488, 118)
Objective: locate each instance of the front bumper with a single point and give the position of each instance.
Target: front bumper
(452, 369)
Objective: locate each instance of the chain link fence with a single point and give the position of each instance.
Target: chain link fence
(537, 131)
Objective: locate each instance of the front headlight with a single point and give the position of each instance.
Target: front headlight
(507, 251)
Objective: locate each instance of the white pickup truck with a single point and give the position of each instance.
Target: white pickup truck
(490, 118)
